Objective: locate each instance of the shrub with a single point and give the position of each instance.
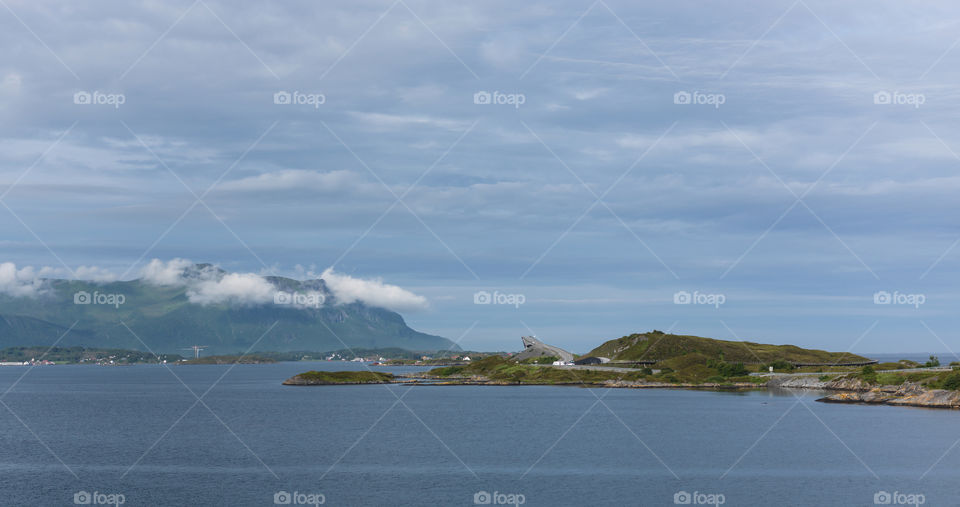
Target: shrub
(934, 361)
(952, 382)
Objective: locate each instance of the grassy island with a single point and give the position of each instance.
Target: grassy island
(319, 378)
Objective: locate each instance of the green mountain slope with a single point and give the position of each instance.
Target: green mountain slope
(163, 319)
(656, 345)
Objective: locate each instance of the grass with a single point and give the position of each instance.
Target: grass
(657, 345)
(345, 377)
(692, 369)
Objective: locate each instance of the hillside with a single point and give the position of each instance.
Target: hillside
(166, 320)
(659, 346)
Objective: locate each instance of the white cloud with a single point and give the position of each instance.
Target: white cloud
(295, 179)
(23, 282)
(403, 121)
(348, 289)
(236, 288)
(158, 272)
(95, 274)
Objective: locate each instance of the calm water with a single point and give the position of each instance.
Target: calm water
(131, 430)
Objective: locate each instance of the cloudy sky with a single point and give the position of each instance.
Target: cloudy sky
(783, 163)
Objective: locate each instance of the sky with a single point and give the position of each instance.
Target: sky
(772, 171)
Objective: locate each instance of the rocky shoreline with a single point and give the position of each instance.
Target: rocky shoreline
(908, 394)
(847, 390)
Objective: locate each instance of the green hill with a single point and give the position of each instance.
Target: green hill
(166, 321)
(660, 346)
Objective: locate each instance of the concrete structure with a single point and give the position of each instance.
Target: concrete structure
(533, 348)
(592, 360)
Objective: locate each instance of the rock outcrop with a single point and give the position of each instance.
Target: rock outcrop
(909, 394)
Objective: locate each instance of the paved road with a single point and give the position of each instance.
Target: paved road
(591, 367)
(905, 370)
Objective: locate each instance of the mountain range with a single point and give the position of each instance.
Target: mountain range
(285, 315)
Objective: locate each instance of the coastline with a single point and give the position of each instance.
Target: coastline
(846, 390)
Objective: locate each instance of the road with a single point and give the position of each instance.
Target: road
(905, 370)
